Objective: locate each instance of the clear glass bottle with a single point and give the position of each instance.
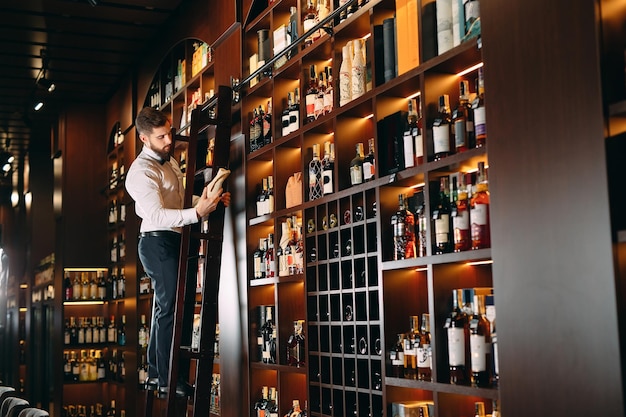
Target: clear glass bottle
(424, 351)
(295, 345)
(316, 187)
(356, 166)
(144, 333)
(311, 94)
(441, 219)
(345, 75)
(369, 163)
(309, 20)
(460, 214)
(328, 167)
(479, 211)
(441, 130)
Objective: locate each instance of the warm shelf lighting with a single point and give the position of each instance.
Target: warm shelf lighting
(23, 286)
(83, 303)
(417, 94)
(470, 69)
(23, 309)
(85, 269)
(422, 269)
(369, 116)
(485, 262)
(420, 185)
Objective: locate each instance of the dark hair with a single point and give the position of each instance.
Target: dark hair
(149, 118)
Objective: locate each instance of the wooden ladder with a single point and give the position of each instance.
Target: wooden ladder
(203, 238)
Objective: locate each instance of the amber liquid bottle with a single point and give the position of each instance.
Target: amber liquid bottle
(460, 214)
(462, 120)
(479, 211)
(457, 329)
(403, 227)
(478, 107)
(411, 342)
(480, 344)
(424, 353)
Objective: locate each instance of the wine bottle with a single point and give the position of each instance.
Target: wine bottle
(269, 334)
(421, 224)
(294, 111)
(269, 195)
(403, 226)
(284, 117)
(479, 211)
(316, 187)
(329, 93)
(490, 314)
(310, 19)
(441, 130)
(369, 163)
(424, 352)
(460, 214)
(478, 107)
(396, 356)
(267, 124)
(462, 120)
(121, 333)
(457, 331)
(356, 166)
(441, 219)
(272, 406)
(411, 343)
(254, 131)
(144, 333)
(358, 70)
(295, 345)
(261, 405)
(409, 134)
(270, 264)
(321, 93)
(328, 167)
(480, 344)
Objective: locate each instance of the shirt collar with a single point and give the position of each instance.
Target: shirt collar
(151, 154)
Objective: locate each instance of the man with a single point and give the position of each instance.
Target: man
(155, 183)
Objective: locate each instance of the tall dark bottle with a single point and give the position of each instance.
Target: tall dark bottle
(480, 344)
(460, 214)
(457, 330)
(403, 226)
(441, 219)
(442, 143)
(463, 120)
(479, 211)
(478, 107)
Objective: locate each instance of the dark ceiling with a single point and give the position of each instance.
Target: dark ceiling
(85, 47)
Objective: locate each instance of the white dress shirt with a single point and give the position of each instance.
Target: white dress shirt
(157, 188)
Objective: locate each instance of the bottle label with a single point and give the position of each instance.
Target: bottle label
(358, 81)
(442, 228)
(319, 105)
(478, 214)
(423, 356)
(419, 144)
(479, 121)
(460, 221)
(294, 120)
(327, 180)
(328, 101)
(356, 175)
(478, 348)
(345, 87)
(310, 105)
(368, 170)
(409, 153)
(441, 138)
(456, 346)
(460, 133)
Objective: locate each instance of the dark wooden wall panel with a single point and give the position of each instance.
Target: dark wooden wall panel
(83, 231)
(553, 270)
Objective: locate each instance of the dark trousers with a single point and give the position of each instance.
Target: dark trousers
(159, 257)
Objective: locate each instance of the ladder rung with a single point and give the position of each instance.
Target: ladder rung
(189, 353)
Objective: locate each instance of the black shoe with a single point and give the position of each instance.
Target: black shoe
(151, 383)
(183, 389)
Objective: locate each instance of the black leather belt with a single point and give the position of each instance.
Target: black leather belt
(160, 233)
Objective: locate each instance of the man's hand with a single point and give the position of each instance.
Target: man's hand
(208, 201)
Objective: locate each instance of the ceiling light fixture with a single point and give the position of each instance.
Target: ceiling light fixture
(38, 106)
(6, 159)
(93, 3)
(46, 83)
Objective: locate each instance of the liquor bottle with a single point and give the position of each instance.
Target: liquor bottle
(121, 333)
(299, 249)
(295, 345)
(411, 343)
(294, 111)
(80, 331)
(272, 406)
(329, 92)
(269, 341)
(75, 366)
(295, 411)
(463, 120)
(490, 314)
(495, 409)
(293, 29)
(415, 125)
(67, 367)
(267, 124)
(460, 214)
(328, 167)
(259, 260)
(270, 264)
(262, 318)
(479, 211)
(121, 284)
(421, 225)
(403, 226)
(261, 204)
(471, 11)
(111, 411)
(424, 352)
(309, 21)
(102, 287)
(144, 333)
(356, 166)
(67, 286)
(441, 130)
(369, 163)
(345, 75)
(261, 405)
(479, 409)
(358, 70)
(311, 95)
(113, 212)
(259, 127)
(254, 131)
(321, 93)
(316, 187)
(76, 287)
(457, 330)
(112, 284)
(480, 344)
(145, 284)
(88, 331)
(283, 247)
(396, 356)
(284, 117)
(84, 287)
(441, 219)
(478, 106)
(409, 134)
